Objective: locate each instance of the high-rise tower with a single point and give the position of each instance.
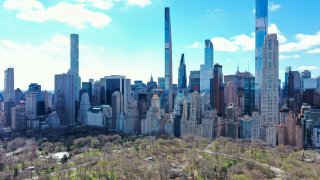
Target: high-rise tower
(261, 32)
(208, 54)
(217, 90)
(8, 91)
(74, 64)
(74, 53)
(168, 59)
(182, 76)
(206, 70)
(64, 98)
(269, 89)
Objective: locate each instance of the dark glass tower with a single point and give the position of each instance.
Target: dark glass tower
(168, 60)
(182, 75)
(249, 95)
(217, 90)
(261, 32)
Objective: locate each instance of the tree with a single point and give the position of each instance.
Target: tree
(95, 143)
(16, 143)
(15, 172)
(64, 159)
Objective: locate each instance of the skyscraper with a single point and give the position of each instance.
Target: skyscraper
(182, 75)
(84, 107)
(64, 98)
(286, 82)
(31, 105)
(8, 91)
(230, 94)
(261, 32)
(9, 95)
(249, 95)
(115, 83)
(74, 53)
(87, 87)
(206, 70)
(161, 82)
(168, 59)
(208, 54)
(306, 74)
(194, 81)
(217, 90)
(74, 64)
(18, 118)
(269, 90)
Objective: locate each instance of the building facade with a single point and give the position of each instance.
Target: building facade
(168, 60)
(194, 81)
(65, 98)
(261, 32)
(249, 95)
(182, 74)
(8, 92)
(206, 70)
(269, 89)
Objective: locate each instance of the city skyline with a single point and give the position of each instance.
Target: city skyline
(114, 54)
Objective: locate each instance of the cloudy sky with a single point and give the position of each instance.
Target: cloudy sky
(126, 37)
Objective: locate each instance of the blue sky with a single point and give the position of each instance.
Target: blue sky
(127, 36)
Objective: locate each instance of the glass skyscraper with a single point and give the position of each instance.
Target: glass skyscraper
(206, 70)
(249, 95)
(208, 53)
(261, 32)
(182, 76)
(168, 59)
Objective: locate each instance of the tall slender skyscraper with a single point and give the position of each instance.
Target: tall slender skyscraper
(261, 32)
(168, 59)
(206, 70)
(74, 53)
(74, 64)
(182, 76)
(208, 54)
(269, 90)
(9, 95)
(8, 91)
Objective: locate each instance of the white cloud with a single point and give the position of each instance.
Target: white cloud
(23, 5)
(30, 61)
(285, 57)
(40, 62)
(273, 28)
(273, 6)
(72, 14)
(245, 42)
(195, 45)
(304, 42)
(101, 4)
(240, 42)
(253, 11)
(314, 51)
(310, 68)
(223, 44)
(141, 3)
